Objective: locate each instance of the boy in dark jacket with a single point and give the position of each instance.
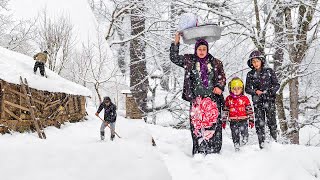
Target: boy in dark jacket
(239, 111)
(110, 116)
(262, 84)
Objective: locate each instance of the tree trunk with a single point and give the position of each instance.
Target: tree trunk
(96, 87)
(298, 45)
(278, 62)
(293, 132)
(121, 58)
(138, 70)
(122, 52)
(166, 67)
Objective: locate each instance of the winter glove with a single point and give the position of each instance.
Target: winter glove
(225, 115)
(251, 124)
(224, 124)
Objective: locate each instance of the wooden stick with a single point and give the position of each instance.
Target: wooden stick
(16, 105)
(24, 96)
(3, 89)
(29, 100)
(110, 127)
(12, 114)
(49, 105)
(57, 111)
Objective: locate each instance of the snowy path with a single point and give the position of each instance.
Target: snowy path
(75, 152)
(276, 162)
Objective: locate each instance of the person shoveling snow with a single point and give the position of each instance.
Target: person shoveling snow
(110, 117)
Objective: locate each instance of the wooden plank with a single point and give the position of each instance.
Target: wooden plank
(16, 92)
(75, 104)
(83, 105)
(16, 105)
(12, 114)
(54, 102)
(24, 96)
(31, 106)
(20, 102)
(2, 84)
(57, 111)
(49, 105)
(48, 100)
(30, 102)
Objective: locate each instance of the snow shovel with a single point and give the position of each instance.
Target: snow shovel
(110, 128)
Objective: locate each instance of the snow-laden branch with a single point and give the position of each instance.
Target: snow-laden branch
(148, 29)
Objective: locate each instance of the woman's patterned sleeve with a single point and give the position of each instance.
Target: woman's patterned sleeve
(174, 55)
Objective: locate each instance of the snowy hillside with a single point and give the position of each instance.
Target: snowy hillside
(13, 65)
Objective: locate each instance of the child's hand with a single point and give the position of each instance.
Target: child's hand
(251, 124)
(258, 92)
(217, 90)
(224, 125)
(177, 38)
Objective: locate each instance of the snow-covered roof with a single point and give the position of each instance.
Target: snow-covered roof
(126, 91)
(13, 65)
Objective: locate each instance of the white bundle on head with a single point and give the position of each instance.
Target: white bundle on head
(187, 20)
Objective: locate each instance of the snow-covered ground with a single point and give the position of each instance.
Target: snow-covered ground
(75, 152)
(276, 161)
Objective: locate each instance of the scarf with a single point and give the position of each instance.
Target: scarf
(203, 62)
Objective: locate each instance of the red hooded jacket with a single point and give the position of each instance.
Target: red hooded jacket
(238, 108)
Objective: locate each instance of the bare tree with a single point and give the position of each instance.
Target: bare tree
(56, 36)
(20, 36)
(145, 34)
(116, 25)
(4, 17)
(95, 68)
(138, 70)
(300, 39)
(15, 35)
(278, 57)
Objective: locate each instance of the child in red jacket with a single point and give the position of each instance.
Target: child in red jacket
(239, 111)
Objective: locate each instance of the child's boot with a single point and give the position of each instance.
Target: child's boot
(102, 135)
(237, 147)
(244, 140)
